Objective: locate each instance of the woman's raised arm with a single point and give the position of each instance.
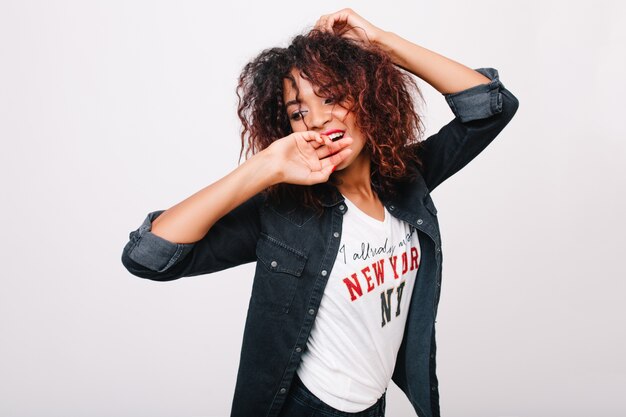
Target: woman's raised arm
(217, 227)
(445, 75)
(477, 97)
(300, 158)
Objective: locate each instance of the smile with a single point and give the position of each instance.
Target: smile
(334, 135)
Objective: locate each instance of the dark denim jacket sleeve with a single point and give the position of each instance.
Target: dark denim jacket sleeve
(481, 112)
(230, 242)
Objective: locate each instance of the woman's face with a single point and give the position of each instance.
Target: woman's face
(322, 115)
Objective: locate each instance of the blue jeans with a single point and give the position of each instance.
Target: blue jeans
(301, 402)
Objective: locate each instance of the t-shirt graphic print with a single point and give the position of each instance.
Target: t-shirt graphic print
(352, 349)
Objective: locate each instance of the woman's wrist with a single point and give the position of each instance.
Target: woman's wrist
(388, 42)
(266, 167)
(380, 38)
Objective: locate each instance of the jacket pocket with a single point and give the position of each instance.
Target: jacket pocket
(278, 271)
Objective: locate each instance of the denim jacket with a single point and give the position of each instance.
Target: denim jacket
(294, 251)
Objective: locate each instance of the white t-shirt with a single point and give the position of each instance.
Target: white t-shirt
(352, 349)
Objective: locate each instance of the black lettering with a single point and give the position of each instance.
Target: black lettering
(385, 306)
(400, 289)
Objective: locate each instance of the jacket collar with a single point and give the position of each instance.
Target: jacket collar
(412, 204)
(410, 194)
(329, 194)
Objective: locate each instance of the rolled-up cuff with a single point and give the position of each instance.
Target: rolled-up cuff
(152, 251)
(480, 101)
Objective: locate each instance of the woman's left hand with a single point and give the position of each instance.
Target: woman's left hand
(350, 25)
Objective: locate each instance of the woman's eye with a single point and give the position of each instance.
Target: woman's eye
(329, 100)
(297, 115)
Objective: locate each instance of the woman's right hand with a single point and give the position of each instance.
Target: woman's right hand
(307, 158)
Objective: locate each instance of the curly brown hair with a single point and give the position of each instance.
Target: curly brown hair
(382, 97)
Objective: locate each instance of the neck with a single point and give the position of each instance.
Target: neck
(355, 179)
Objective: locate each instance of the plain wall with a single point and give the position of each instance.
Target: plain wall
(112, 109)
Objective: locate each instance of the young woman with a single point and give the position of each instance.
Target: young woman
(333, 203)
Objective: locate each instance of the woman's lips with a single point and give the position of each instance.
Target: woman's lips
(334, 134)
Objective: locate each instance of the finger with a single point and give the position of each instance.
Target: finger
(321, 22)
(315, 144)
(325, 23)
(326, 140)
(336, 159)
(333, 147)
(310, 136)
(320, 176)
(330, 22)
(305, 143)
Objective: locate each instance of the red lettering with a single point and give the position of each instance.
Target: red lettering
(414, 255)
(353, 286)
(394, 261)
(405, 263)
(379, 271)
(365, 271)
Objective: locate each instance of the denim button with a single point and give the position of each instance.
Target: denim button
(336, 234)
(283, 390)
(324, 273)
(434, 388)
(311, 311)
(298, 349)
(420, 221)
(392, 208)
(432, 355)
(342, 207)
(438, 249)
(274, 264)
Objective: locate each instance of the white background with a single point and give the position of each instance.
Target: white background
(112, 109)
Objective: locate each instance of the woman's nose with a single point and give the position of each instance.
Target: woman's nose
(319, 117)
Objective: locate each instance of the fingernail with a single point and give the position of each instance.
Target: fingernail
(333, 170)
